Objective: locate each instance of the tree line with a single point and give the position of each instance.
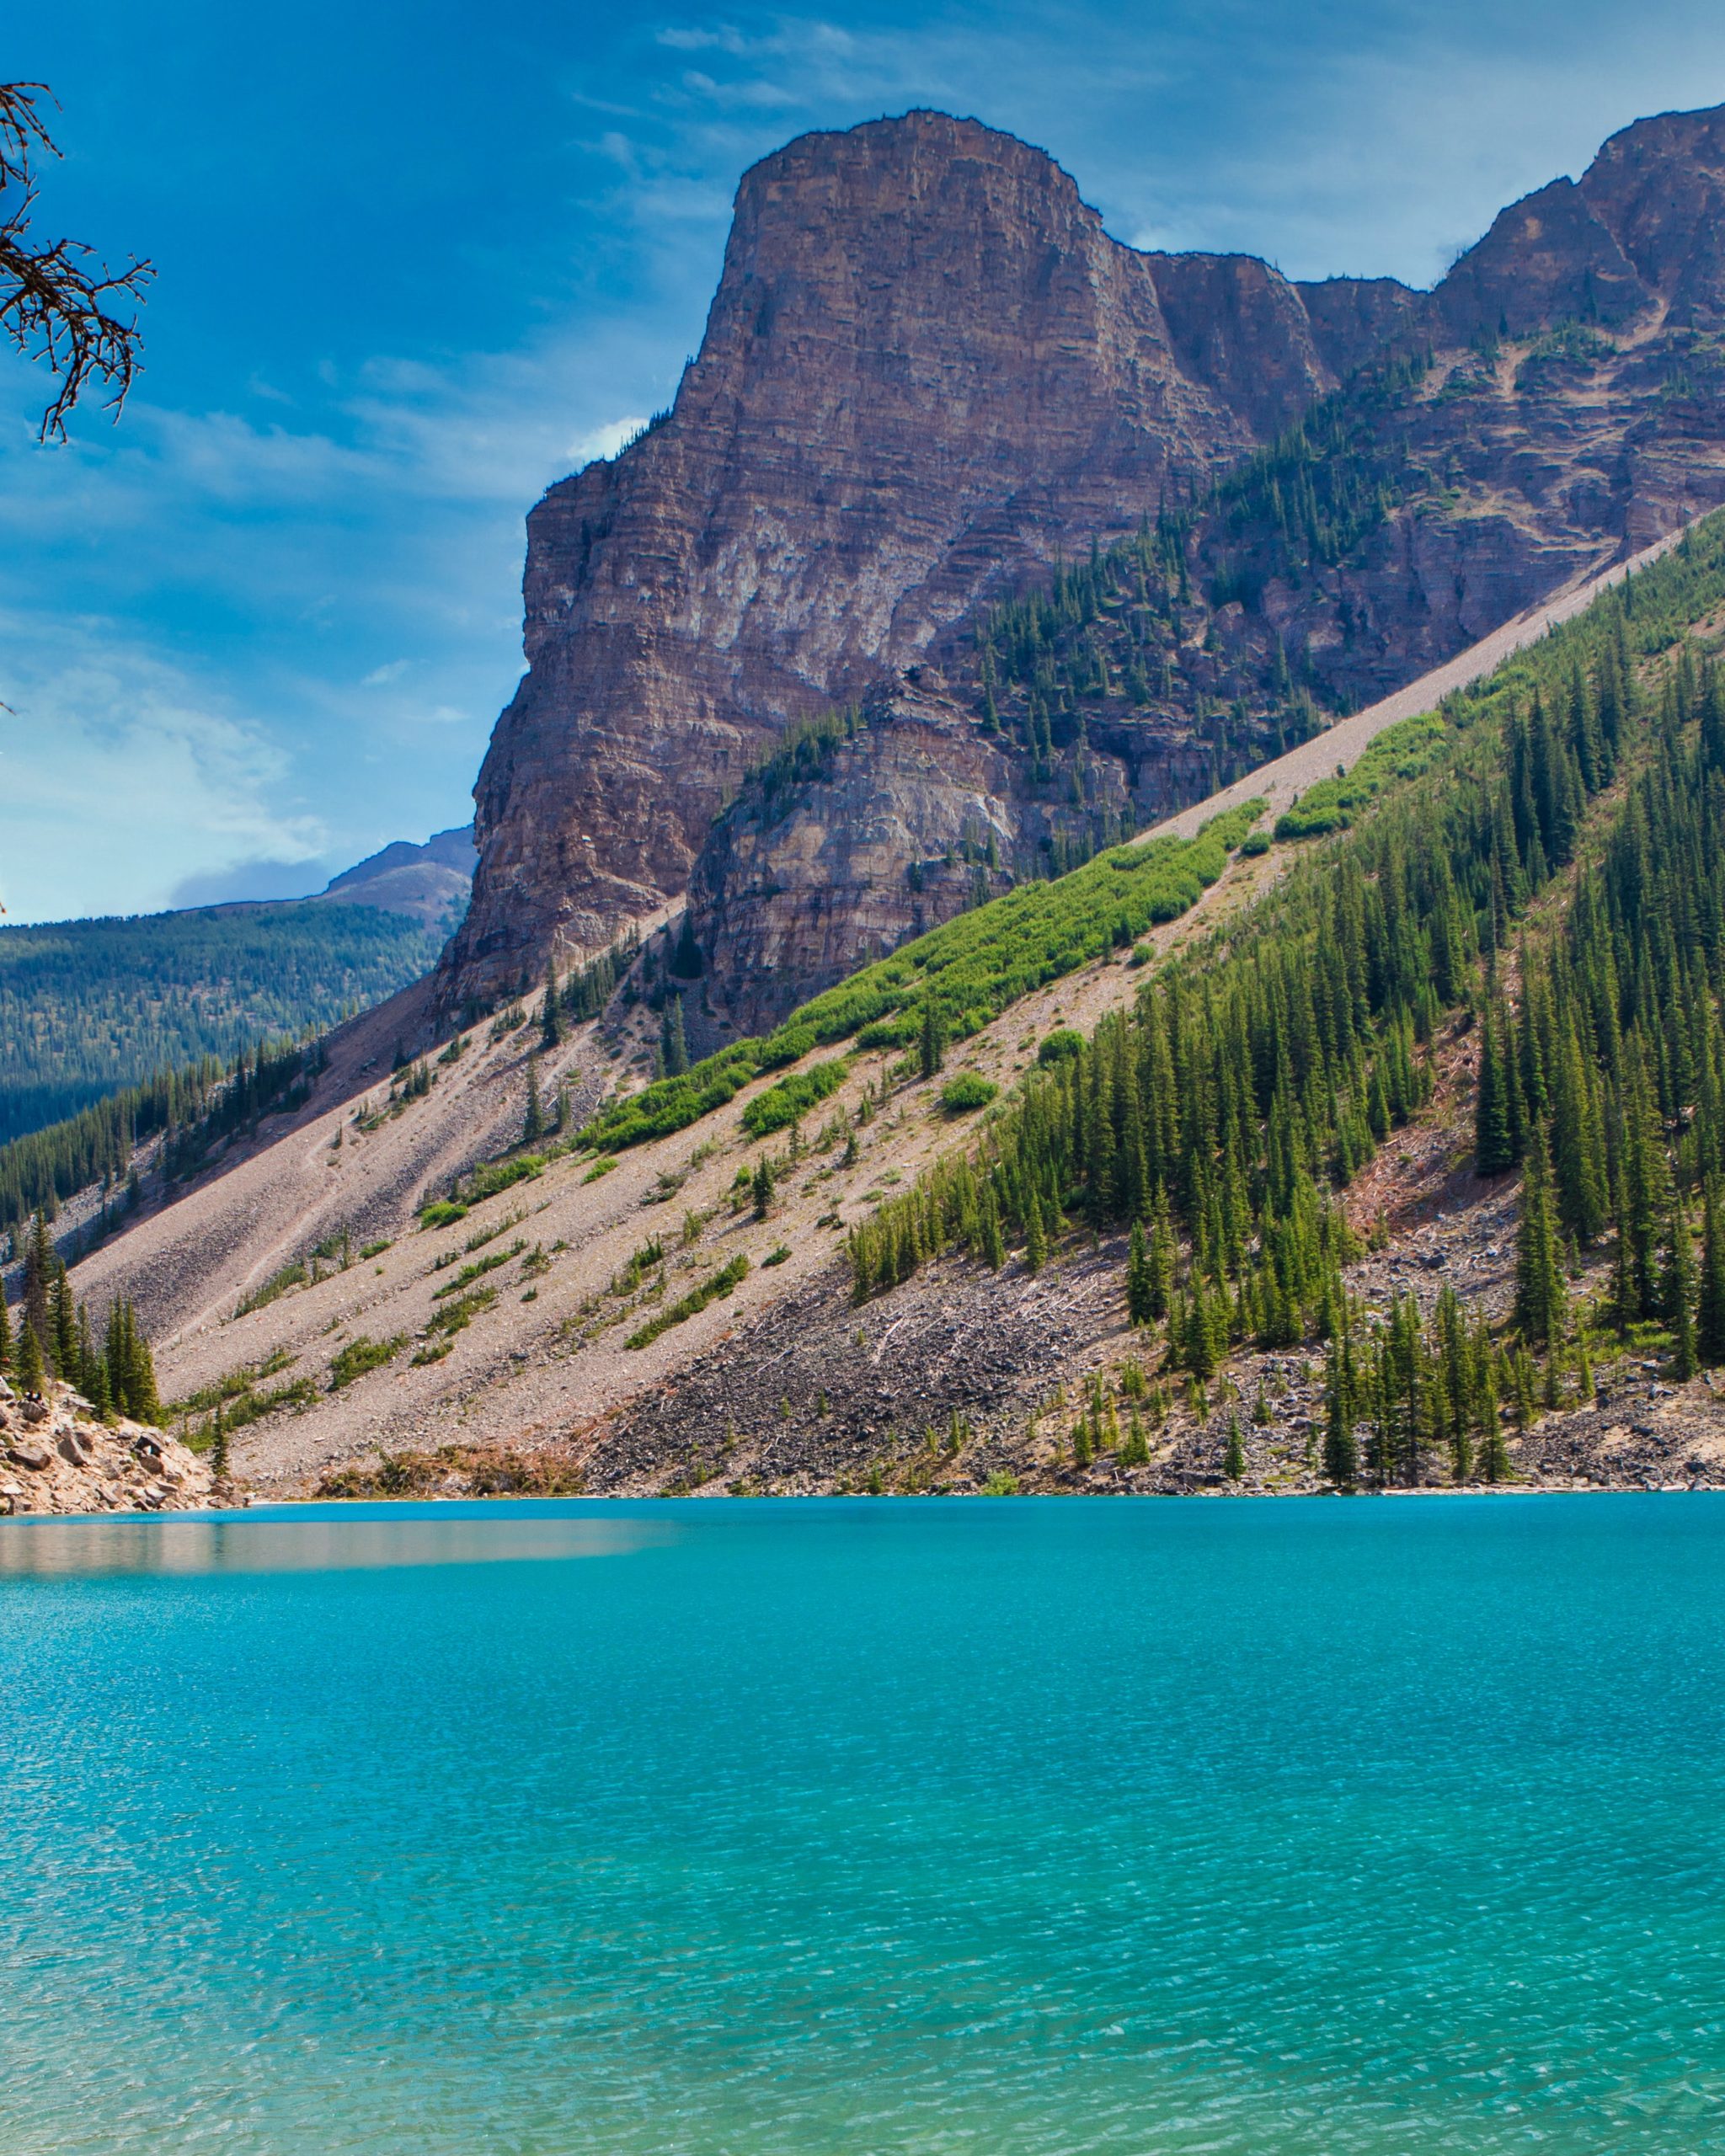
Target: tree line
(1217, 1122)
(54, 1338)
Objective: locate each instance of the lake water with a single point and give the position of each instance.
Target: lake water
(1300, 1828)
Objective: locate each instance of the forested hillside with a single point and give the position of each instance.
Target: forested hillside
(1131, 636)
(1548, 877)
(87, 1007)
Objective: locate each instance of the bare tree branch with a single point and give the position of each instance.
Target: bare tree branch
(58, 304)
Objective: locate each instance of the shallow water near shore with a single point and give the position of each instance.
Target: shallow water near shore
(854, 1826)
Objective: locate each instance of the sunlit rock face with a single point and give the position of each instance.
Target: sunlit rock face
(927, 371)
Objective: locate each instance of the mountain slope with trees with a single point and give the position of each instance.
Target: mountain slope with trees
(857, 1245)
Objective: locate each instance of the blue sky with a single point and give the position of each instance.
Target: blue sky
(412, 267)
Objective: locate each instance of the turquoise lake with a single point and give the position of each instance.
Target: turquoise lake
(1007, 1826)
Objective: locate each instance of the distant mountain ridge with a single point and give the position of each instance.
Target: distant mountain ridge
(928, 374)
(88, 1007)
(426, 881)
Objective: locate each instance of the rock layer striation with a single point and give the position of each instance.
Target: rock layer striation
(928, 370)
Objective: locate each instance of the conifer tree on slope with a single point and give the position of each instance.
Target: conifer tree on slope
(32, 1370)
(1539, 1281)
(1710, 1313)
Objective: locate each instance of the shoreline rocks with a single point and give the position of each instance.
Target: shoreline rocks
(57, 1457)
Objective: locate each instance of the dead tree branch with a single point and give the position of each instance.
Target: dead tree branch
(58, 304)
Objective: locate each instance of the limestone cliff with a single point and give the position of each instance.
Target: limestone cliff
(838, 851)
(928, 371)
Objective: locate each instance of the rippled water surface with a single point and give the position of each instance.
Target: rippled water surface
(995, 1827)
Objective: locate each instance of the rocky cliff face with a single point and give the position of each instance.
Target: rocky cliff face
(927, 371)
(891, 825)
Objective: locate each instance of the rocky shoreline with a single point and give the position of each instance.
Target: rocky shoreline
(58, 1456)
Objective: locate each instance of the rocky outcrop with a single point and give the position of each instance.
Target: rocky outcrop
(57, 1456)
(927, 369)
(906, 818)
(926, 366)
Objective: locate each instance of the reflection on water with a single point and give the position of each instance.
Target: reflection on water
(82, 1548)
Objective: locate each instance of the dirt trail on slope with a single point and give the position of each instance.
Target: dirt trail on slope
(1289, 776)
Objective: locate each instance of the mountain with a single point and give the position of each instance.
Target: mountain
(931, 385)
(89, 1006)
(1085, 1096)
(432, 882)
(403, 1280)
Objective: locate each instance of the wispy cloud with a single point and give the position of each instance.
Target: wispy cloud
(110, 753)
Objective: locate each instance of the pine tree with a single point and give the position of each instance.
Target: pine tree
(1234, 1458)
(1645, 1199)
(90, 1362)
(62, 1347)
(930, 1040)
(32, 1370)
(131, 1369)
(1162, 1258)
(1035, 1238)
(40, 1266)
(1493, 1147)
(673, 1044)
(218, 1446)
(761, 1188)
(1710, 1314)
(551, 1025)
(1196, 1342)
(1494, 1466)
(5, 1335)
(533, 1121)
(145, 1403)
(1140, 1292)
(1678, 1287)
(1578, 1149)
(1539, 1282)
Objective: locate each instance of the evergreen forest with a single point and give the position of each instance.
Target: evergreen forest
(1534, 884)
(90, 1007)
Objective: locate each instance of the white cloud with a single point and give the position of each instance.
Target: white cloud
(122, 775)
(603, 443)
(380, 676)
(724, 40)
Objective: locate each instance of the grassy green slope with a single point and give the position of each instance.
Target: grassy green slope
(964, 973)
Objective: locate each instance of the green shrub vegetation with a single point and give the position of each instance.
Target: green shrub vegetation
(363, 1354)
(1059, 1046)
(1213, 1123)
(455, 1317)
(968, 1090)
(1399, 752)
(491, 1176)
(717, 1284)
(792, 1098)
(478, 1269)
(294, 1274)
(965, 972)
